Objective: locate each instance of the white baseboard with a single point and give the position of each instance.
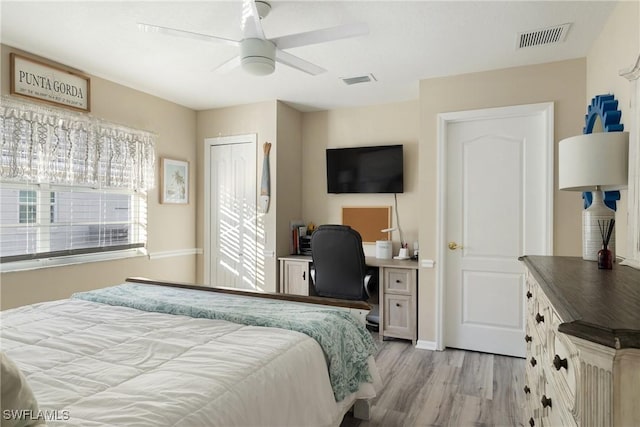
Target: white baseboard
(177, 252)
(426, 345)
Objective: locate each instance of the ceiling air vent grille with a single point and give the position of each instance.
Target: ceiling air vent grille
(359, 79)
(544, 36)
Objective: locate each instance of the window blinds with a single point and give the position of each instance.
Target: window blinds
(71, 184)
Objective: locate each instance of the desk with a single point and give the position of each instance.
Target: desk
(397, 287)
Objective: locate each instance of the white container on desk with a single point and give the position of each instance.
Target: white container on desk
(384, 249)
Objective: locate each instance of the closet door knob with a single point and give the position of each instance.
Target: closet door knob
(539, 318)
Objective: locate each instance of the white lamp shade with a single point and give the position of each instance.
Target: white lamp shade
(595, 159)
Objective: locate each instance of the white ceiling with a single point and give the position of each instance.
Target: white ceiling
(408, 41)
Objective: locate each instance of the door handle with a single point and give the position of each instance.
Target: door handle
(453, 246)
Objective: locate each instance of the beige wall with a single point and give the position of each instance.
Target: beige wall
(561, 82)
(395, 123)
(289, 177)
(175, 129)
(617, 48)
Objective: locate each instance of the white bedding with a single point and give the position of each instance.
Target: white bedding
(111, 366)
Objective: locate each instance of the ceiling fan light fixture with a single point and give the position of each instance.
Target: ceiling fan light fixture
(257, 56)
(258, 66)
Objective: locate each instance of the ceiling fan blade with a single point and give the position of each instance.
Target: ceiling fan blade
(321, 36)
(227, 66)
(149, 28)
(250, 24)
(298, 63)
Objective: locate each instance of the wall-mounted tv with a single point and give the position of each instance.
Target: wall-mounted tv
(376, 169)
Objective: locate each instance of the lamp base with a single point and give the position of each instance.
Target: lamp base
(591, 236)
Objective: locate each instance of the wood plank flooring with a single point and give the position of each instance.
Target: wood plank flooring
(445, 388)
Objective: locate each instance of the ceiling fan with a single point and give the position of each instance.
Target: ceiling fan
(258, 54)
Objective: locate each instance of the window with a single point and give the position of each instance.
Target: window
(59, 221)
(27, 207)
(70, 184)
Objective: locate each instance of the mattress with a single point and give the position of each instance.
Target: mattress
(103, 365)
(344, 340)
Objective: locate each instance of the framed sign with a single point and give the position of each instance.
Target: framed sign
(174, 184)
(47, 83)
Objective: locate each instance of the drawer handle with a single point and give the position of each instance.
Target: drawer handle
(398, 281)
(534, 362)
(532, 422)
(560, 363)
(527, 338)
(546, 401)
(398, 304)
(529, 295)
(539, 318)
(304, 275)
(527, 390)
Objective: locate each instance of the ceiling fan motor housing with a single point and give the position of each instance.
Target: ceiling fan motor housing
(258, 56)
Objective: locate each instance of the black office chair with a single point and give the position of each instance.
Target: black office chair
(339, 269)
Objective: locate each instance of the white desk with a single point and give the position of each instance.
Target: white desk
(397, 287)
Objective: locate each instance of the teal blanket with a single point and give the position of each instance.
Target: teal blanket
(346, 343)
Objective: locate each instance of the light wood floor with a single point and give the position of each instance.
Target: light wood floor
(445, 388)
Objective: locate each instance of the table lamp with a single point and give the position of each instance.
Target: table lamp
(594, 162)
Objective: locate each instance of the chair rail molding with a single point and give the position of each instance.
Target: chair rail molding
(633, 240)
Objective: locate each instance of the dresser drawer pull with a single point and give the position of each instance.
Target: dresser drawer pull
(532, 422)
(398, 304)
(529, 295)
(398, 281)
(534, 362)
(527, 338)
(527, 390)
(539, 318)
(546, 401)
(560, 363)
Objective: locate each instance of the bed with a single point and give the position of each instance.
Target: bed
(141, 354)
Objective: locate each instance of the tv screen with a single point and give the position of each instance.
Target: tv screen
(365, 169)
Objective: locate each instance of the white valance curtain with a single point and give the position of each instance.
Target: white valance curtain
(42, 144)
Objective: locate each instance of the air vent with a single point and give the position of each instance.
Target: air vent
(544, 36)
(359, 79)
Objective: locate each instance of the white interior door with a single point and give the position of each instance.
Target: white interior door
(499, 188)
(232, 254)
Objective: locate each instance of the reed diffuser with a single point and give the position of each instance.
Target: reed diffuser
(605, 259)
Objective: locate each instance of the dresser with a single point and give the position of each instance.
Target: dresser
(583, 343)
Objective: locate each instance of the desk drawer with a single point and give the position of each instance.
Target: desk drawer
(398, 281)
(399, 318)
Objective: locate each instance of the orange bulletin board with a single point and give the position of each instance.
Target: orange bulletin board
(368, 221)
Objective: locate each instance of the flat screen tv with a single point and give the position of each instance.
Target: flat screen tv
(376, 169)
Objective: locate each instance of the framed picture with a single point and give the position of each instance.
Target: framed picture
(47, 83)
(174, 181)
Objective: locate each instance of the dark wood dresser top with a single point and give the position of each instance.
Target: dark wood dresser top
(602, 306)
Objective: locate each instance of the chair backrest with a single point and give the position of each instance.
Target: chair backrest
(339, 262)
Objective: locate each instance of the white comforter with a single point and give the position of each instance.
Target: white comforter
(117, 366)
